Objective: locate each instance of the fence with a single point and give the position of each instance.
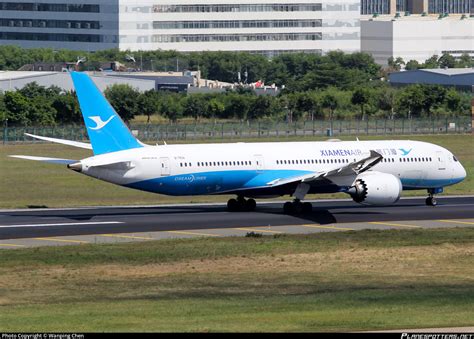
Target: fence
(257, 129)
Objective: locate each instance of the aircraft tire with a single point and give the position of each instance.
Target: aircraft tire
(233, 205)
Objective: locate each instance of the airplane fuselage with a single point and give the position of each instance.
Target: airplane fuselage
(250, 168)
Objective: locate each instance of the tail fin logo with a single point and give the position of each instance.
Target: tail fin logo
(99, 123)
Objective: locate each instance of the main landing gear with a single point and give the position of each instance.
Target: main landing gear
(297, 207)
(241, 205)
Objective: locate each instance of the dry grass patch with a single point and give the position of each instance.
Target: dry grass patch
(357, 266)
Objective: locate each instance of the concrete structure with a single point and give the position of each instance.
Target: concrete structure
(268, 27)
(461, 78)
(416, 37)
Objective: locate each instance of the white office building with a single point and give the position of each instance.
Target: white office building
(268, 27)
(416, 37)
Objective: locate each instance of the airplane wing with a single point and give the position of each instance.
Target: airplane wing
(349, 170)
(62, 141)
(44, 159)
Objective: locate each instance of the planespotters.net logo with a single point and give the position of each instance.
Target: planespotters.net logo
(437, 336)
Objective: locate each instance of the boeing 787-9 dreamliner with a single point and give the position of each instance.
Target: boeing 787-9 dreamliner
(371, 172)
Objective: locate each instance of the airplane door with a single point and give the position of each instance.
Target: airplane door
(441, 160)
(259, 162)
(165, 166)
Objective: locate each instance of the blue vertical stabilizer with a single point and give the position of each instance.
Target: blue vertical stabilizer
(107, 132)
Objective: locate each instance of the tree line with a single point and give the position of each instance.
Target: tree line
(446, 60)
(35, 105)
(300, 71)
(335, 85)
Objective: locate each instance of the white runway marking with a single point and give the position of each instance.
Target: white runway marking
(64, 224)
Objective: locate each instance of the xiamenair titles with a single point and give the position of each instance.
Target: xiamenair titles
(359, 152)
(340, 152)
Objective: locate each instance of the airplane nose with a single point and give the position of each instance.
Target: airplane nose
(462, 172)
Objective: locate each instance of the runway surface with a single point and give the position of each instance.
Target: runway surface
(99, 224)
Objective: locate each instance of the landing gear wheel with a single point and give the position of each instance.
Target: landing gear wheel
(233, 205)
(250, 205)
(431, 201)
(297, 207)
(288, 207)
(240, 204)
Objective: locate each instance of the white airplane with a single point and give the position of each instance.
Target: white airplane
(371, 172)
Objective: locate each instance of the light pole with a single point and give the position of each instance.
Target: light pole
(141, 61)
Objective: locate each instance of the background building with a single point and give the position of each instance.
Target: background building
(268, 27)
(450, 6)
(460, 78)
(60, 24)
(382, 6)
(417, 6)
(416, 37)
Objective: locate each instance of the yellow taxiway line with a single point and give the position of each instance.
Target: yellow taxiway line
(63, 240)
(457, 222)
(194, 233)
(328, 227)
(125, 236)
(391, 224)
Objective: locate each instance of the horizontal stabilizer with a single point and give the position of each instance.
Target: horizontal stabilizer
(62, 141)
(43, 159)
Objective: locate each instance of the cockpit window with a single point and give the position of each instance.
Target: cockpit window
(455, 159)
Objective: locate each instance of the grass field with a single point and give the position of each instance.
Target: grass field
(31, 184)
(342, 281)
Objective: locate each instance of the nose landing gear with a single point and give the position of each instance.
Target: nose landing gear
(241, 205)
(431, 200)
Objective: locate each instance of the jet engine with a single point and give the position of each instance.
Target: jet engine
(376, 188)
